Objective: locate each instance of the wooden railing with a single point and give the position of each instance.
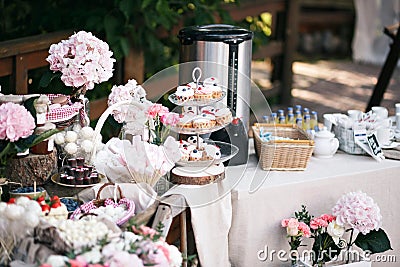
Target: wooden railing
(19, 56)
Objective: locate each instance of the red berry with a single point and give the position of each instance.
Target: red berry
(45, 208)
(11, 201)
(56, 205)
(55, 198)
(40, 199)
(235, 121)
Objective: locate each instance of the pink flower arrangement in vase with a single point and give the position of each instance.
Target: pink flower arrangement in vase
(83, 60)
(159, 122)
(295, 230)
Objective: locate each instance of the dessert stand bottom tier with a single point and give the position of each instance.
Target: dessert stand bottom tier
(197, 175)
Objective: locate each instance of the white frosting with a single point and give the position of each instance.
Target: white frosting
(196, 154)
(184, 91)
(213, 151)
(193, 140)
(189, 109)
(208, 110)
(222, 112)
(204, 90)
(187, 149)
(211, 81)
(206, 116)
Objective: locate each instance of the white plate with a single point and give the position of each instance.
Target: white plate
(392, 145)
(227, 150)
(56, 179)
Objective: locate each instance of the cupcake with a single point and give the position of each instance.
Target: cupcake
(223, 116)
(195, 155)
(185, 120)
(212, 152)
(212, 83)
(204, 121)
(189, 109)
(196, 142)
(184, 93)
(203, 93)
(208, 110)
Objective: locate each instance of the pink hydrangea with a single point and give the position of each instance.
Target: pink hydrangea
(157, 110)
(170, 119)
(83, 60)
(15, 122)
(130, 91)
(358, 211)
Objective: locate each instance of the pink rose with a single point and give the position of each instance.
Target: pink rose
(145, 231)
(78, 262)
(170, 119)
(318, 223)
(15, 122)
(305, 229)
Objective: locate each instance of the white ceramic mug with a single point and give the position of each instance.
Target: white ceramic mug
(397, 106)
(381, 112)
(385, 123)
(384, 136)
(355, 114)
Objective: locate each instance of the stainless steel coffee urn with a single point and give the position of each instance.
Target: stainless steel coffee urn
(222, 51)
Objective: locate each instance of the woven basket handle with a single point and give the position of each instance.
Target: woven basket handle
(104, 186)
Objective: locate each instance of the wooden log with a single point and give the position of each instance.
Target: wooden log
(197, 175)
(32, 168)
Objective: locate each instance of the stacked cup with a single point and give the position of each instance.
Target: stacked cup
(384, 131)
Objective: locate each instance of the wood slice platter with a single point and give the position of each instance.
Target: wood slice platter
(197, 175)
(32, 168)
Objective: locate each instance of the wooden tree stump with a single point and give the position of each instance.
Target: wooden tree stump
(32, 168)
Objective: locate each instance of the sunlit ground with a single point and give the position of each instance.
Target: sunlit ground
(333, 86)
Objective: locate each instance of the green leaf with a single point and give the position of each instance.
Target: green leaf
(43, 136)
(145, 3)
(325, 248)
(126, 7)
(374, 241)
(47, 78)
(124, 43)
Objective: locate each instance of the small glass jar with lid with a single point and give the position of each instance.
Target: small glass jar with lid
(46, 146)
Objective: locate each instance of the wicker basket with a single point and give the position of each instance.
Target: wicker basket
(346, 140)
(283, 155)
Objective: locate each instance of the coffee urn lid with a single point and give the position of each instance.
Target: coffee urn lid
(214, 33)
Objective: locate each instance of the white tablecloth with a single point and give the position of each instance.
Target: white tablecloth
(252, 215)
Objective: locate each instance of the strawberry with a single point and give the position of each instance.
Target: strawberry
(11, 201)
(55, 199)
(40, 199)
(45, 208)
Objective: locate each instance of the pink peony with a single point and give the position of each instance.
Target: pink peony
(170, 119)
(293, 227)
(15, 122)
(304, 229)
(359, 211)
(123, 259)
(78, 262)
(83, 60)
(318, 223)
(157, 110)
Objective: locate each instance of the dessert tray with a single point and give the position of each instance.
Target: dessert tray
(184, 130)
(227, 150)
(56, 179)
(195, 102)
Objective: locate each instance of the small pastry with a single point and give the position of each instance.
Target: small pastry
(189, 109)
(213, 152)
(184, 93)
(193, 140)
(212, 83)
(223, 116)
(185, 120)
(203, 93)
(208, 110)
(204, 121)
(195, 155)
(62, 100)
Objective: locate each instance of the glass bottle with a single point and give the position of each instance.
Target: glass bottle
(297, 108)
(314, 121)
(281, 112)
(290, 118)
(274, 118)
(306, 123)
(265, 119)
(299, 122)
(282, 119)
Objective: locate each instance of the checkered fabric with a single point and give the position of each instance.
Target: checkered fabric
(66, 112)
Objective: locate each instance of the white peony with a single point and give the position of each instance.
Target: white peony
(71, 137)
(92, 256)
(335, 231)
(71, 148)
(175, 256)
